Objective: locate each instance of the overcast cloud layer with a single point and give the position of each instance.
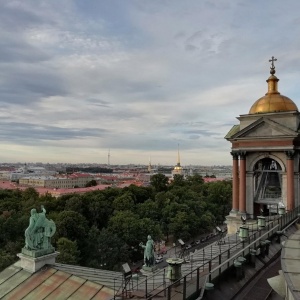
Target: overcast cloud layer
(78, 78)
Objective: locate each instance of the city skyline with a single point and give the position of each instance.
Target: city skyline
(134, 79)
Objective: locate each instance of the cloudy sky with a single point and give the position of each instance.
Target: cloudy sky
(138, 77)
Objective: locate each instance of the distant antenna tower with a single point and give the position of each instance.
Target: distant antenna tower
(150, 166)
(108, 158)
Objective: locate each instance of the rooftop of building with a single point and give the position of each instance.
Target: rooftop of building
(54, 282)
(52, 191)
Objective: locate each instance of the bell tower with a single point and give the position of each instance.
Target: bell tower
(265, 153)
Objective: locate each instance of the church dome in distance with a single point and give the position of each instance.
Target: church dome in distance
(273, 101)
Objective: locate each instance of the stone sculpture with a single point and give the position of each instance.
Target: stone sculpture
(38, 234)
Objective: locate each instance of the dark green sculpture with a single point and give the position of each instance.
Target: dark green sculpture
(149, 257)
(38, 234)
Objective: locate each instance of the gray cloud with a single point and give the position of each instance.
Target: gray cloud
(98, 102)
(191, 48)
(12, 50)
(14, 16)
(35, 133)
(138, 78)
(200, 132)
(29, 85)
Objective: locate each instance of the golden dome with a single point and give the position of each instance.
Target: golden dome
(273, 101)
(177, 168)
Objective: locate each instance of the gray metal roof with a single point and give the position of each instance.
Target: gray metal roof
(107, 278)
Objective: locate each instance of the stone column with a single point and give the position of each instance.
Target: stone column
(242, 188)
(290, 197)
(250, 194)
(235, 181)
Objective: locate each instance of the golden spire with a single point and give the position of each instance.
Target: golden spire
(178, 157)
(178, 168)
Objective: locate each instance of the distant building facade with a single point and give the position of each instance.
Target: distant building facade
(26, 171)
(75, 180)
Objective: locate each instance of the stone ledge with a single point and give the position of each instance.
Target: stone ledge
(32, 264)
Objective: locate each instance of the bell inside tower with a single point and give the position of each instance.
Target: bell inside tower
(267, 184)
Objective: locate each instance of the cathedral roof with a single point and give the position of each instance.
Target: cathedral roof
(58, 282)
(273, 101)
(232, 131)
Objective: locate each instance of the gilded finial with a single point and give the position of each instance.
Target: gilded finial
(272, 68)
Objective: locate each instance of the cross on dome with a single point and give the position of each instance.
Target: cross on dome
(272, 60)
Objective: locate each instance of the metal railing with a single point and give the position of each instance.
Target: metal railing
(190, 284)
(211, 265)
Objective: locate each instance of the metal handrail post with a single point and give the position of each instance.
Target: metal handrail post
(169, 292)
(198, 280)
(153, 283)
(114, 288)
(165, 282)
(184, 288)
(209, 269)
(228, 256)
(243, 242)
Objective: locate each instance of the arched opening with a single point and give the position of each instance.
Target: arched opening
(267, 186)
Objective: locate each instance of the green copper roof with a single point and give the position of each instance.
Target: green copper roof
(232, 131)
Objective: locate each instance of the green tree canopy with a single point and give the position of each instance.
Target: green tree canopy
(159, 182)
(129, 227)
(149, 209)
(73, 226)
(107, 250)
(92, 182)
(99, 219)
(141, 194)
(180, 226)
(75, 203)
(68, 251)
(30, 194)
(195, 180)
(124, 202)
(178, 180)
(126, 225)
